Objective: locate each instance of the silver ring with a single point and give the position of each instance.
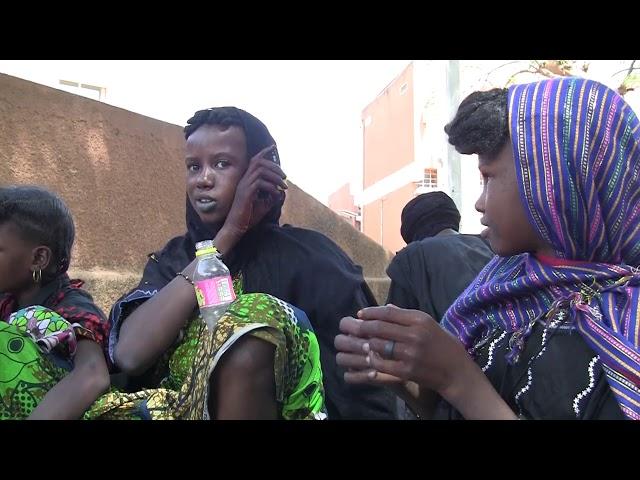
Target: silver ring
(388, 348)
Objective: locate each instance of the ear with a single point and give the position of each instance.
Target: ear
(40, 258)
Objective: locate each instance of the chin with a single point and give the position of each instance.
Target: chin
(213, 219)
(497, 247)
(504, 251)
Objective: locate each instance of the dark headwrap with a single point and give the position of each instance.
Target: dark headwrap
(299, 266)
(180, 251)
(427, 215)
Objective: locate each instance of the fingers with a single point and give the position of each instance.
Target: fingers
(272, 177)
(401, 351)
(263, 160)
(384, 330)
(394, 368)
(265, 153)
(350, 325)
(392, 314)
(265, 186)
(374, 328)
(266, 173)
(356, 354)
(349, 344)
(352, 361)
(371, 377)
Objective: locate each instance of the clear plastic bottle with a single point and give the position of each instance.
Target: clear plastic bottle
(213, 284)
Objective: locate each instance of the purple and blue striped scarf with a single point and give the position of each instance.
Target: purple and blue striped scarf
(576, 147)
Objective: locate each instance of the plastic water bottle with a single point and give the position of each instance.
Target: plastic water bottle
(213, 284)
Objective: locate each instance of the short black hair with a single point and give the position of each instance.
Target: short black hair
(481, 124)
(222, 116)
(43, 218)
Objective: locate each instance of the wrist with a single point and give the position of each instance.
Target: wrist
(474, 397)
(462, 383)
(227, 238)
(186, 278)
(190, 269)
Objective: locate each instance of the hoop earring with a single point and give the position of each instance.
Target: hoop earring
(37, 276)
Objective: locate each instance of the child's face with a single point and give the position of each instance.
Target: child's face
(16, 259)
(508, 229)
(216, 160)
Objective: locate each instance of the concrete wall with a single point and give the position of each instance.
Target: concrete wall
(302, 210)
(123, 177)
(119, 172)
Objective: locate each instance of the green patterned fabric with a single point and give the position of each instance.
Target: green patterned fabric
(36, 347)
(182, 392)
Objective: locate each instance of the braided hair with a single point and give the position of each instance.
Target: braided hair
(221, 116)
(481, 124)
(43, 218)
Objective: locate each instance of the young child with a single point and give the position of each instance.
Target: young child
(550, 328)
(267, 359)
(51, 333)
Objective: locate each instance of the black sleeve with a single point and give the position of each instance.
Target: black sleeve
(310, 271)
(402, 298)
(342, 291)
(402, 288)
(399, 293)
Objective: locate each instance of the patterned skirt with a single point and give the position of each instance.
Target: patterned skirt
(183, 393)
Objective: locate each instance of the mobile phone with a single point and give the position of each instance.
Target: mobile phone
(273, 155)
(275, 158)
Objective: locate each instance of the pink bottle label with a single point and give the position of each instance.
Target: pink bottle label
(215, 291)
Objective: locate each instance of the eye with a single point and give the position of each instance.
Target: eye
(222, 164)
(193, 167)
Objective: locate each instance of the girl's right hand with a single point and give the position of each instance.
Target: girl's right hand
(403, 347)
(420, 350)
(260, 188)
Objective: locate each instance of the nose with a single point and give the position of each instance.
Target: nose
(480, 203)
(206, 178)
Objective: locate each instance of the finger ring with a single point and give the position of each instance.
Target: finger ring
(388, 348)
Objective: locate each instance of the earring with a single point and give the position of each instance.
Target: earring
(37, 275)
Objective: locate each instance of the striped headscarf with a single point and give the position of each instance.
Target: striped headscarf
(577, 155)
